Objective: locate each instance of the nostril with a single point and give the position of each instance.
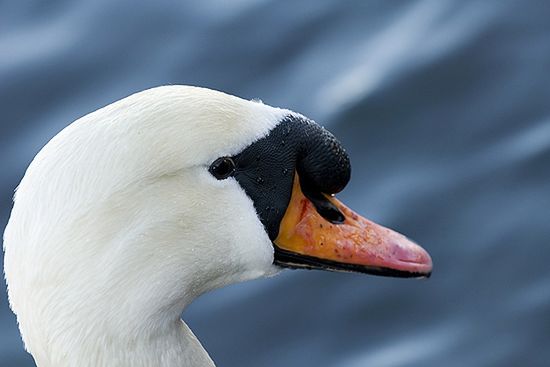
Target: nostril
(330, 212)
(324, 207)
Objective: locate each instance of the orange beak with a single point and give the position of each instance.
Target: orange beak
(307, 240)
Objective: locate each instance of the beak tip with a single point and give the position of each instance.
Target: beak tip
(402, 254)
(418, 261)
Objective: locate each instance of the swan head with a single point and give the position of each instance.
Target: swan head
(136, 209)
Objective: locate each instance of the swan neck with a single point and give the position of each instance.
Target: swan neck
(175, 346)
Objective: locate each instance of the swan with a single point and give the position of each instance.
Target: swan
(134, 210)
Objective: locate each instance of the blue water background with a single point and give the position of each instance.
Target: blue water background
(443, 105)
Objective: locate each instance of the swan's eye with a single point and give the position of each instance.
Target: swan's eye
(222, 168)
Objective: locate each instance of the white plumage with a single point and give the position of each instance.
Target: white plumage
(117, 226)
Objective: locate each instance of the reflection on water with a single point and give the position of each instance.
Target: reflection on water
(442, 105)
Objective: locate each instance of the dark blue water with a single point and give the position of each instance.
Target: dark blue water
(444, 107)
